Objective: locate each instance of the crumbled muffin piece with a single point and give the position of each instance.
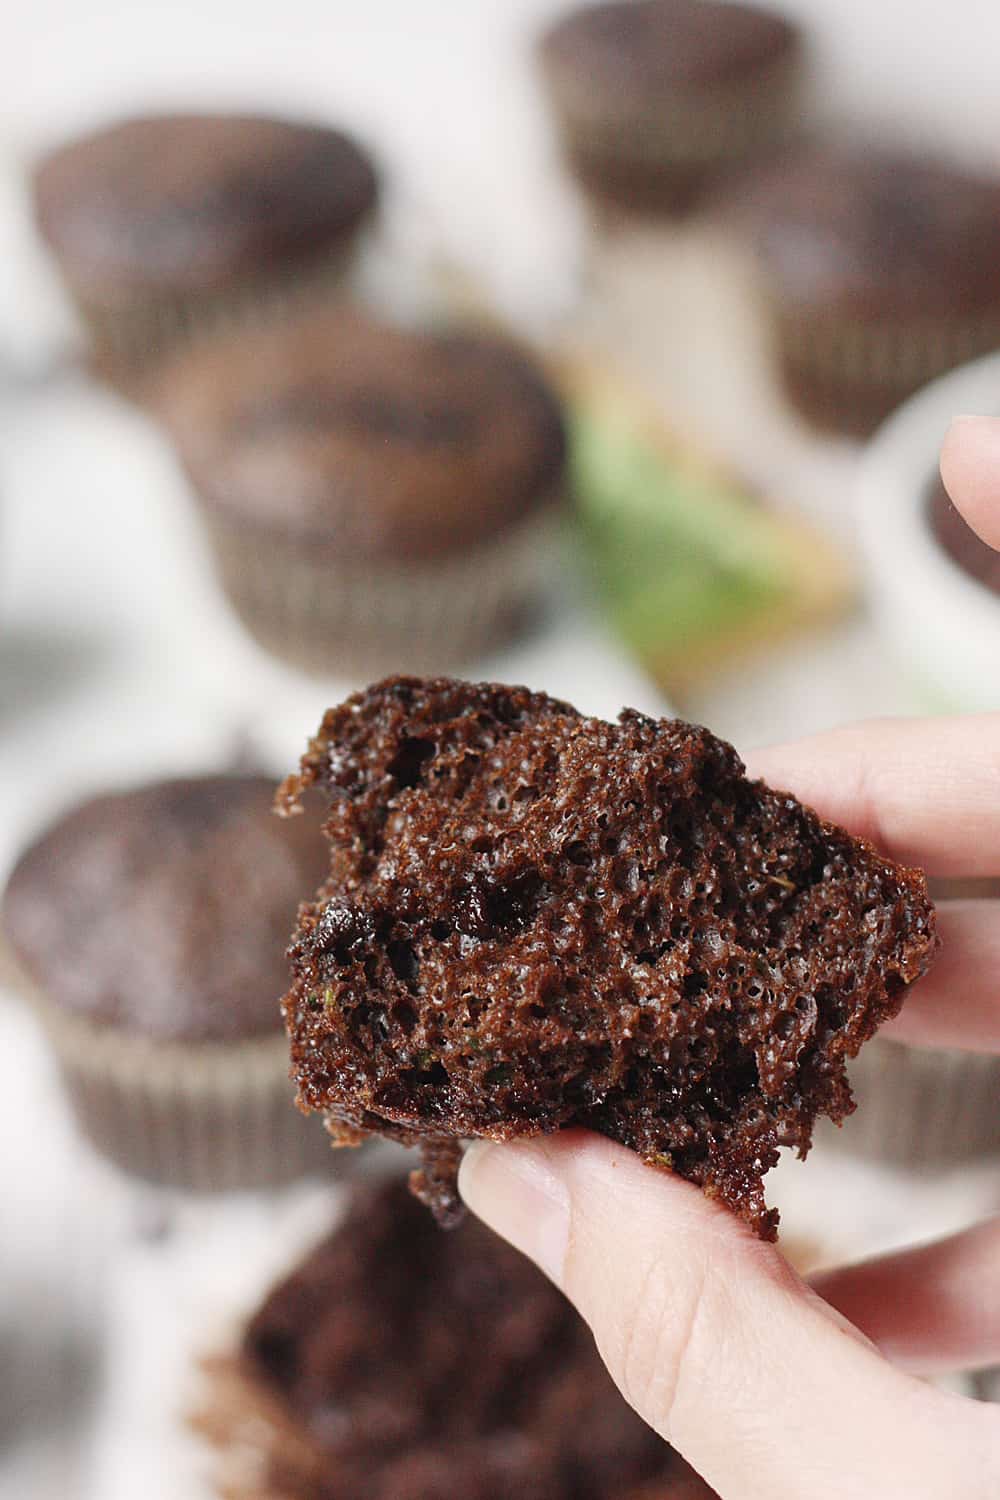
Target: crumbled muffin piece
(535, 919)
(366, 1365)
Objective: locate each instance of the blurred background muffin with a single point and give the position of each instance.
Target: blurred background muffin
(151, 926)
(927, 1110)
(880, 270)
(654, 98)
(162, 225)
(400, 1361)
(377, 498)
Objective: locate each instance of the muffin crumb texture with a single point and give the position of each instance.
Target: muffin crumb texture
(362, 1374)
(535, 919)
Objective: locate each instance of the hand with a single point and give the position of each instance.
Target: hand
(771, 1388)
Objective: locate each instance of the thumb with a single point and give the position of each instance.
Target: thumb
(716, 1342)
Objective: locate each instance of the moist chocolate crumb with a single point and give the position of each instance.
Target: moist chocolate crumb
(535, 919)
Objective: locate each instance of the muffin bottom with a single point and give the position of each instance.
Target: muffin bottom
(848, 376)
(204, 1117)
(621, 189)
(328, 616)
(128, 341)
(926, 1110)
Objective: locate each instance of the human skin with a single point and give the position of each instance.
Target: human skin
(774, 1388)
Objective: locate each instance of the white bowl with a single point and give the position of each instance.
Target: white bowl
(943, 624)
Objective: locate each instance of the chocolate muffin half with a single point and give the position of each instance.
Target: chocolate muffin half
(653, 98)
(535, 919)
(149, 925)
(377, 498)
(880, 269)
(400, 1363)
(164, 224)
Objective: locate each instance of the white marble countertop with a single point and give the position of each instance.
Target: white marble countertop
(118, 660)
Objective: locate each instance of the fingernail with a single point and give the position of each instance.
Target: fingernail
(516, 1191)
(975, 419)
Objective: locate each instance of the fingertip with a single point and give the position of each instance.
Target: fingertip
(970, 471)
(518, 1189)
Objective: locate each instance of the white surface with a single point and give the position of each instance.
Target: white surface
(118, 660)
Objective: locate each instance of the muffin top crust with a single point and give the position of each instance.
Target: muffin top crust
(186, 202)
(164, 910)
(388, 442)
(650, 47)
(873, 231)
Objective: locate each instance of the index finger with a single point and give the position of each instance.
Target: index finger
(716, 1342)
(970, 468)
(924, 791)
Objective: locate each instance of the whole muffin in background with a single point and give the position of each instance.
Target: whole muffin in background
(150, 926)
(164, 225)
(377, 498)
(653, 98)
(401, 1363)
(880, 270)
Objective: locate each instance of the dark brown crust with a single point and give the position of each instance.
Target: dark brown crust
(365, 440)
(874, 233)
(536, 920)
(161, 910)
(186, 202)
(629, 49)
(400, 1363)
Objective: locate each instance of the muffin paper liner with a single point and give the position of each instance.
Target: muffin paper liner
(708, 127)
(262, 1452)
(923, 1109)
(136, 334)
(203, 1116)
(328, 615)
(853, 373)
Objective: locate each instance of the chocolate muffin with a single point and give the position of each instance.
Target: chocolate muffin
(377, 498)
(165, 224)
(881, 270)
(653, 98)
(363, 1374)
(150, 926)
(535, 920)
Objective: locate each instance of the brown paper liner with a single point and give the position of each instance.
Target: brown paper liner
(849, 375)
(201, 1116)
(350, 617)
(129, 340)
(922, 1109)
